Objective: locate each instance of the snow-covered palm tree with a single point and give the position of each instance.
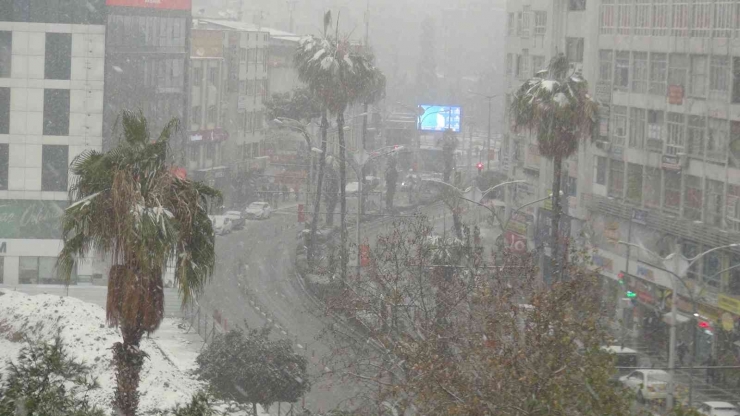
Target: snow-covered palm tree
(338, 76)
(130, 204)
(556, 107)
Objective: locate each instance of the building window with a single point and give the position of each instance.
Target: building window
(637, 128)
(660, 17)
(524, 29)
(718, 139)
(251, 87)
(691, 249)
(4, 110)
(4, 158)
(616, 178)
(693, 200)
(672, 186)
(652, 187)
(540, 23)
(634, 183)
(6, 52)
(525, 63)
(538, 64)
(58, 59)
(605, 66)
(622, 70)
(574, 49)
(243, 54)
(719, 77)
(600, 168)
(508, 64)
(701, 18)
(197, 115)
(680, 18)
(698, 86)
(639, 72)
(56, 112)
(642, 18)
(678, 70)
(211, 116)
(624, 16)
(511, 25)
(54, 167)
(619, 125)
(695, 136)
(655, 131)
(733, 207)
(571, 186)
(35, 270)
(210, 151)
(197, 76)
(724, 18)
(576, 5)
(606, 17)
(658, 73)
(213, 76)
(714, 203)
(675, 126)
(194, 154)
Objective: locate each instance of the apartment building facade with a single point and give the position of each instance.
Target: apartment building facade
(51, 110)
(664, 168)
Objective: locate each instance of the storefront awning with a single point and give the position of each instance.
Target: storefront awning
(680, 318)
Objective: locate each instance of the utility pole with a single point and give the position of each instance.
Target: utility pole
(367, 25)
(488, 156)
(291, 7)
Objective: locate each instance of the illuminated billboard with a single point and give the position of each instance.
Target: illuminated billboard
(440, 118)
(152, 4)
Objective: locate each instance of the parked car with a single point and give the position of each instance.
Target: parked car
(258, 210)
(648, 384)
(221, 224)
(718, 409)
(237, 219)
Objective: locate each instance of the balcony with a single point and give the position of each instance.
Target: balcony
(698, 232)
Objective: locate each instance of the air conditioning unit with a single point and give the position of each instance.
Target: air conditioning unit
(603, 145)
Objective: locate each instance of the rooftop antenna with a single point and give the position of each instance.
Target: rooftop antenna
(291, 7)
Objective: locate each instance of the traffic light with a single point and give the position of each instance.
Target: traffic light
(631, 294)
(480, 167)
(704, 325)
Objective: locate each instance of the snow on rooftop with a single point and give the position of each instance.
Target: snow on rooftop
(88, 339)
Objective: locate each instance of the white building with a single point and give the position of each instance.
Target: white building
(666, 75)
(51, 104)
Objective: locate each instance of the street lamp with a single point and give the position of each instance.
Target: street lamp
(681, 265)
(489, 98)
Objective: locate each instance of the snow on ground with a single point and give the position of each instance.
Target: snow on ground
(165, 381)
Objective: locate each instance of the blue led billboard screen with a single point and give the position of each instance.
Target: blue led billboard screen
(440, 118)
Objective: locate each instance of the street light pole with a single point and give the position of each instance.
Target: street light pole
(488, 156)
(672, 346)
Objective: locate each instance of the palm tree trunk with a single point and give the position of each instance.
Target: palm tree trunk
(556, 214)
(128, 360)
(342, 196)
(317, 202)
(361, 197)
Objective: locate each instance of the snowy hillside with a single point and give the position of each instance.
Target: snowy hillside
(83, 329)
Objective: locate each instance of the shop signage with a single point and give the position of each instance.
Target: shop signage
(152, 4)
(645, 273)
(207, 44)
(602, 262)
(515, 242)
(215, 135)
(517, 227)
(728, 322)
(31, 219)
(675, 94)
(729, 304)
(533, 155)
(671, 162)
(611, 232)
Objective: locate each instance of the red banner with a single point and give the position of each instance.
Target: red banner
(152, 4)
(301, 213)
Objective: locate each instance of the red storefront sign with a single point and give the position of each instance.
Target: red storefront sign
(675, 94)
(152, 4)
(181, 173)
(515, 242)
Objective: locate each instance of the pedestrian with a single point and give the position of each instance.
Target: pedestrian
(682, 349)
(709, 378)
(285, 192)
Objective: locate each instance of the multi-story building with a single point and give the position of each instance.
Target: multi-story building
(664, 170)
(206, 148)
(51, 110)
(147, 65)
(246, 52)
